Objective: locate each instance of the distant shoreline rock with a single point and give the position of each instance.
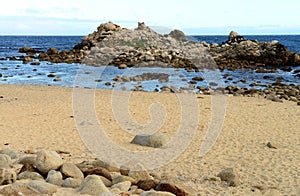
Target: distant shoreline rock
(113, 45)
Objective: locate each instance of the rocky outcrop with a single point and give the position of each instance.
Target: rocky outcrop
(113, 45)
(144, 47)
(240, 53)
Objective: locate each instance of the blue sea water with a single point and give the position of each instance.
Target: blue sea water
(14, 72)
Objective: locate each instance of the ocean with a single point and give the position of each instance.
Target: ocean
(14, 72)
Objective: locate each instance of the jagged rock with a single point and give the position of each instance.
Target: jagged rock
(30, 175)
(54, 177)
(234, 37)
(48, 160)
(92, 185)
(155, 141)
(71, 170)
(7, 176)
(43, 187)
(230, 175)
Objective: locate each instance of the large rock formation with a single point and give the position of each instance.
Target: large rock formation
(238, 52)
(113, 45)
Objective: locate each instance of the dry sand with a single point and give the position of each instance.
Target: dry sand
(35, 117)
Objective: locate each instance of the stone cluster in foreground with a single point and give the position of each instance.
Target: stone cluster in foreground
(44, 172)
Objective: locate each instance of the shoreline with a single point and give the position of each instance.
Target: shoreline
(40, 117)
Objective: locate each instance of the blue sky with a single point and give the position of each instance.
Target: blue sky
(77, 17)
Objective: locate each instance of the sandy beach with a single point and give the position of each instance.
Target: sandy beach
(40, 117)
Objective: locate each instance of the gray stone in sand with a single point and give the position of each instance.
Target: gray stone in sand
(5, 160)
(92, 185)
(18, 188)
(54, 177)
(29, 159)
(71, 170)
(43, 187)
(48, 160)
(138, 172)
(230, 175)
(30, 175)
(155, 141)
(122, 186)
(12, 153)
(71, 183)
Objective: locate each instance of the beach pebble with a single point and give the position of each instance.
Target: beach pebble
(122, 66)
(147, 184)
(71, 170)
(124, 170)
(71, 183)
(27, 59)
(30, 175)
(156, 193)
(92, 185)
(54, 177)
(48, 160)
(12, 153)
(30, 159)
(56, 79)
(98, 171)
(35, 63)
(106, 181)
(122, 186)
(7, 176)
(172, 188)
(122, 178)
(107, 165)
(138, 172)
(51, 75)
(18, 188)
(43, 187)
(5, 160)
(155, 141)
(230, 175)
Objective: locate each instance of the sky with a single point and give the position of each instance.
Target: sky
(194, 17)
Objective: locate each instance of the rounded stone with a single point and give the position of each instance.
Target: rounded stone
(48, 160)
